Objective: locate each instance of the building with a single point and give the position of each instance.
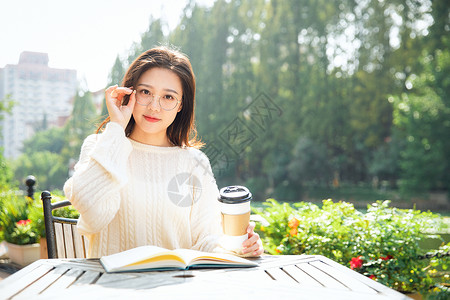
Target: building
(43, 98)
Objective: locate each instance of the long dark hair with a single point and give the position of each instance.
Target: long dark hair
(182, 131)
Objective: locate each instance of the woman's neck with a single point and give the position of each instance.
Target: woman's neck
(160, 140)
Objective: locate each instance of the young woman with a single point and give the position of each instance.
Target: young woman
(143, 181)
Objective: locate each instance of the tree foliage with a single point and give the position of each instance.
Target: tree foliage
(423, 117)
(6, 173)
(49, 154)
(306, 85)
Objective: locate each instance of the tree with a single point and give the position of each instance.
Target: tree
(310, 163)
(6, 173)
(80, 125)
(422, 115)
(42, 157)
(52, 140)
(115, 77)
(49, 169)
(152, 37)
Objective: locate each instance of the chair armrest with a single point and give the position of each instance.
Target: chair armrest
(60, 204)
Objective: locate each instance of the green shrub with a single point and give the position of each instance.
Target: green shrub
(381, 244)
(19, 219)
(16, 210)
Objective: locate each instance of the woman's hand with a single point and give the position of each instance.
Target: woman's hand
(117, 112)
(253, 245)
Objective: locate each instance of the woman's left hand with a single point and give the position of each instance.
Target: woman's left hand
(253, 245)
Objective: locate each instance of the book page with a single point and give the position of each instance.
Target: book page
(193, 257)
(153, 257)
(165, 257)
(133, 256)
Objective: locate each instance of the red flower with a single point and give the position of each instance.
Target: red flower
(23, 222)
(386, 257)
(373, 277)
(356, 262)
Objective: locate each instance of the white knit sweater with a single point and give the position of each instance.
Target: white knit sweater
(131, 194)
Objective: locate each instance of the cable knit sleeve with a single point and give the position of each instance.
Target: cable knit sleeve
(206, 225)
(99, 174)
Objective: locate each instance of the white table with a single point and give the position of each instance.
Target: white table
(276, 277)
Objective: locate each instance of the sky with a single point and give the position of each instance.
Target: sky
(84, 35)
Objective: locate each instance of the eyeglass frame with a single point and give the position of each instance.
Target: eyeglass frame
(159, 101)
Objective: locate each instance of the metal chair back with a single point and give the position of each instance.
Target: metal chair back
(63, 239)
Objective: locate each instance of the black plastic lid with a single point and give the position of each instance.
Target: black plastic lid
(235, 194)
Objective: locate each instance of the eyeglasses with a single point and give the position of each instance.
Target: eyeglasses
(167, 102)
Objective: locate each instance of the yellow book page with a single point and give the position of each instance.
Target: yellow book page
(214, 258)
(132, 256)
(193, 256)
(162, 257)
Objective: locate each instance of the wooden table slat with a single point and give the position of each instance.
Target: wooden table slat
(64, 281)
(42, 283)
(258, 275)
(279, 275)
(322, 277)
(283, 260)
(351, 283)
(85, 264)
(221, 288)
(142, 281)
(88, 277)
(115, 277)
(300, 276)
(393, 294)
(17, 285)
(255, 275)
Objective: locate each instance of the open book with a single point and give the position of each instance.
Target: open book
(146, 258)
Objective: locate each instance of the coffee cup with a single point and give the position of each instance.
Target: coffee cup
(235, 207)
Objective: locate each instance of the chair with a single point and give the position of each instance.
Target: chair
(63, 239)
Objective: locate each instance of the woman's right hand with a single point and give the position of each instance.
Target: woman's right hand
(119, 113)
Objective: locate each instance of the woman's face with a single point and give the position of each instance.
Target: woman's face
(151, 119)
